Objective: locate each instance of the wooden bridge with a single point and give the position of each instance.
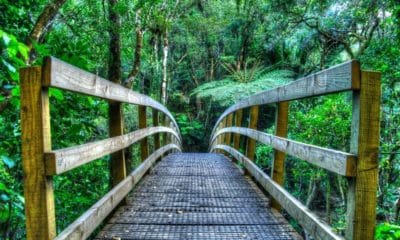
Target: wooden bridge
(203, 195)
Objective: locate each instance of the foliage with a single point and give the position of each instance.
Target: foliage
(192, 131)
(386, 231)
(219, 53)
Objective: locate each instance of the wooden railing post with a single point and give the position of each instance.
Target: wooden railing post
(223, 125)
(116, 128)
(238, 123)
(278, 166)
(36, 139)
(157, 135)
(251, 143)
(166, 137)
(228, 138)
(361, 206)
(144, 147)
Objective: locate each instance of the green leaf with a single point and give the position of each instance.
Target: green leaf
(23, 49)
(8, 161)
(4, 214)
(5, 37)
(57, 94)
(4, 197)
(16, 92)
(9, 67)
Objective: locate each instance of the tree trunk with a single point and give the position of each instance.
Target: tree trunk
(328, 200)
(114, 70)
(156, 53)
(312, 193)
(164, 66)
(117, 165)
(138, 54)
(42, 24)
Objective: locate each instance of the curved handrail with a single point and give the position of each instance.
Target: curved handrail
(339, 78)
(59, 74)
(62, 160)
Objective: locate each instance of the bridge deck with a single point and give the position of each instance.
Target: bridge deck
(196, 196)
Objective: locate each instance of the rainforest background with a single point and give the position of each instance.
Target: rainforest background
(198, 57)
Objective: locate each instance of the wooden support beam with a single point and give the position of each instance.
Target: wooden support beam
(335, 161)
(36, 139)
(144, 146)
(278, 166)
(92, 218)
(361, 206)
(116, 128)
(228, 138)
(238, 123)
(63, 160)
(251, 143)
(157, 135)
(308, 220)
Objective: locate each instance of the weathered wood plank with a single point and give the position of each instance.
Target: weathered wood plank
(339, 78)
(365, 143)
(62, 75)
(90, 220)
(335, 161)
(36, 139)
(251, 143)
(59, 161)
(144, 146)
(294, 207)
(278, 166)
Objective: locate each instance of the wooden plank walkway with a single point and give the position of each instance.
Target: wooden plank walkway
(196, 196)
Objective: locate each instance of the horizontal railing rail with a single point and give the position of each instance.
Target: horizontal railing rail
(335, 161)
(359, 166)
(62, 160)
(40, 162)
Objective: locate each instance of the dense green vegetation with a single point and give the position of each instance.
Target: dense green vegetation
(209, 54)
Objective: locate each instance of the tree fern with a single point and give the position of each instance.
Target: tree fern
(228, 91)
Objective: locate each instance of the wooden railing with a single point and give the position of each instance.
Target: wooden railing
(41, 163)
(360, 166)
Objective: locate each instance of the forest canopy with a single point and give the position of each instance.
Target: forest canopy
(198, 57)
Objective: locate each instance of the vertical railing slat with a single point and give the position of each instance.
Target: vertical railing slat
(251, 143)
(278, 166)
(144, 147)
(228, 136)
(238, 123)
(116, 128)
